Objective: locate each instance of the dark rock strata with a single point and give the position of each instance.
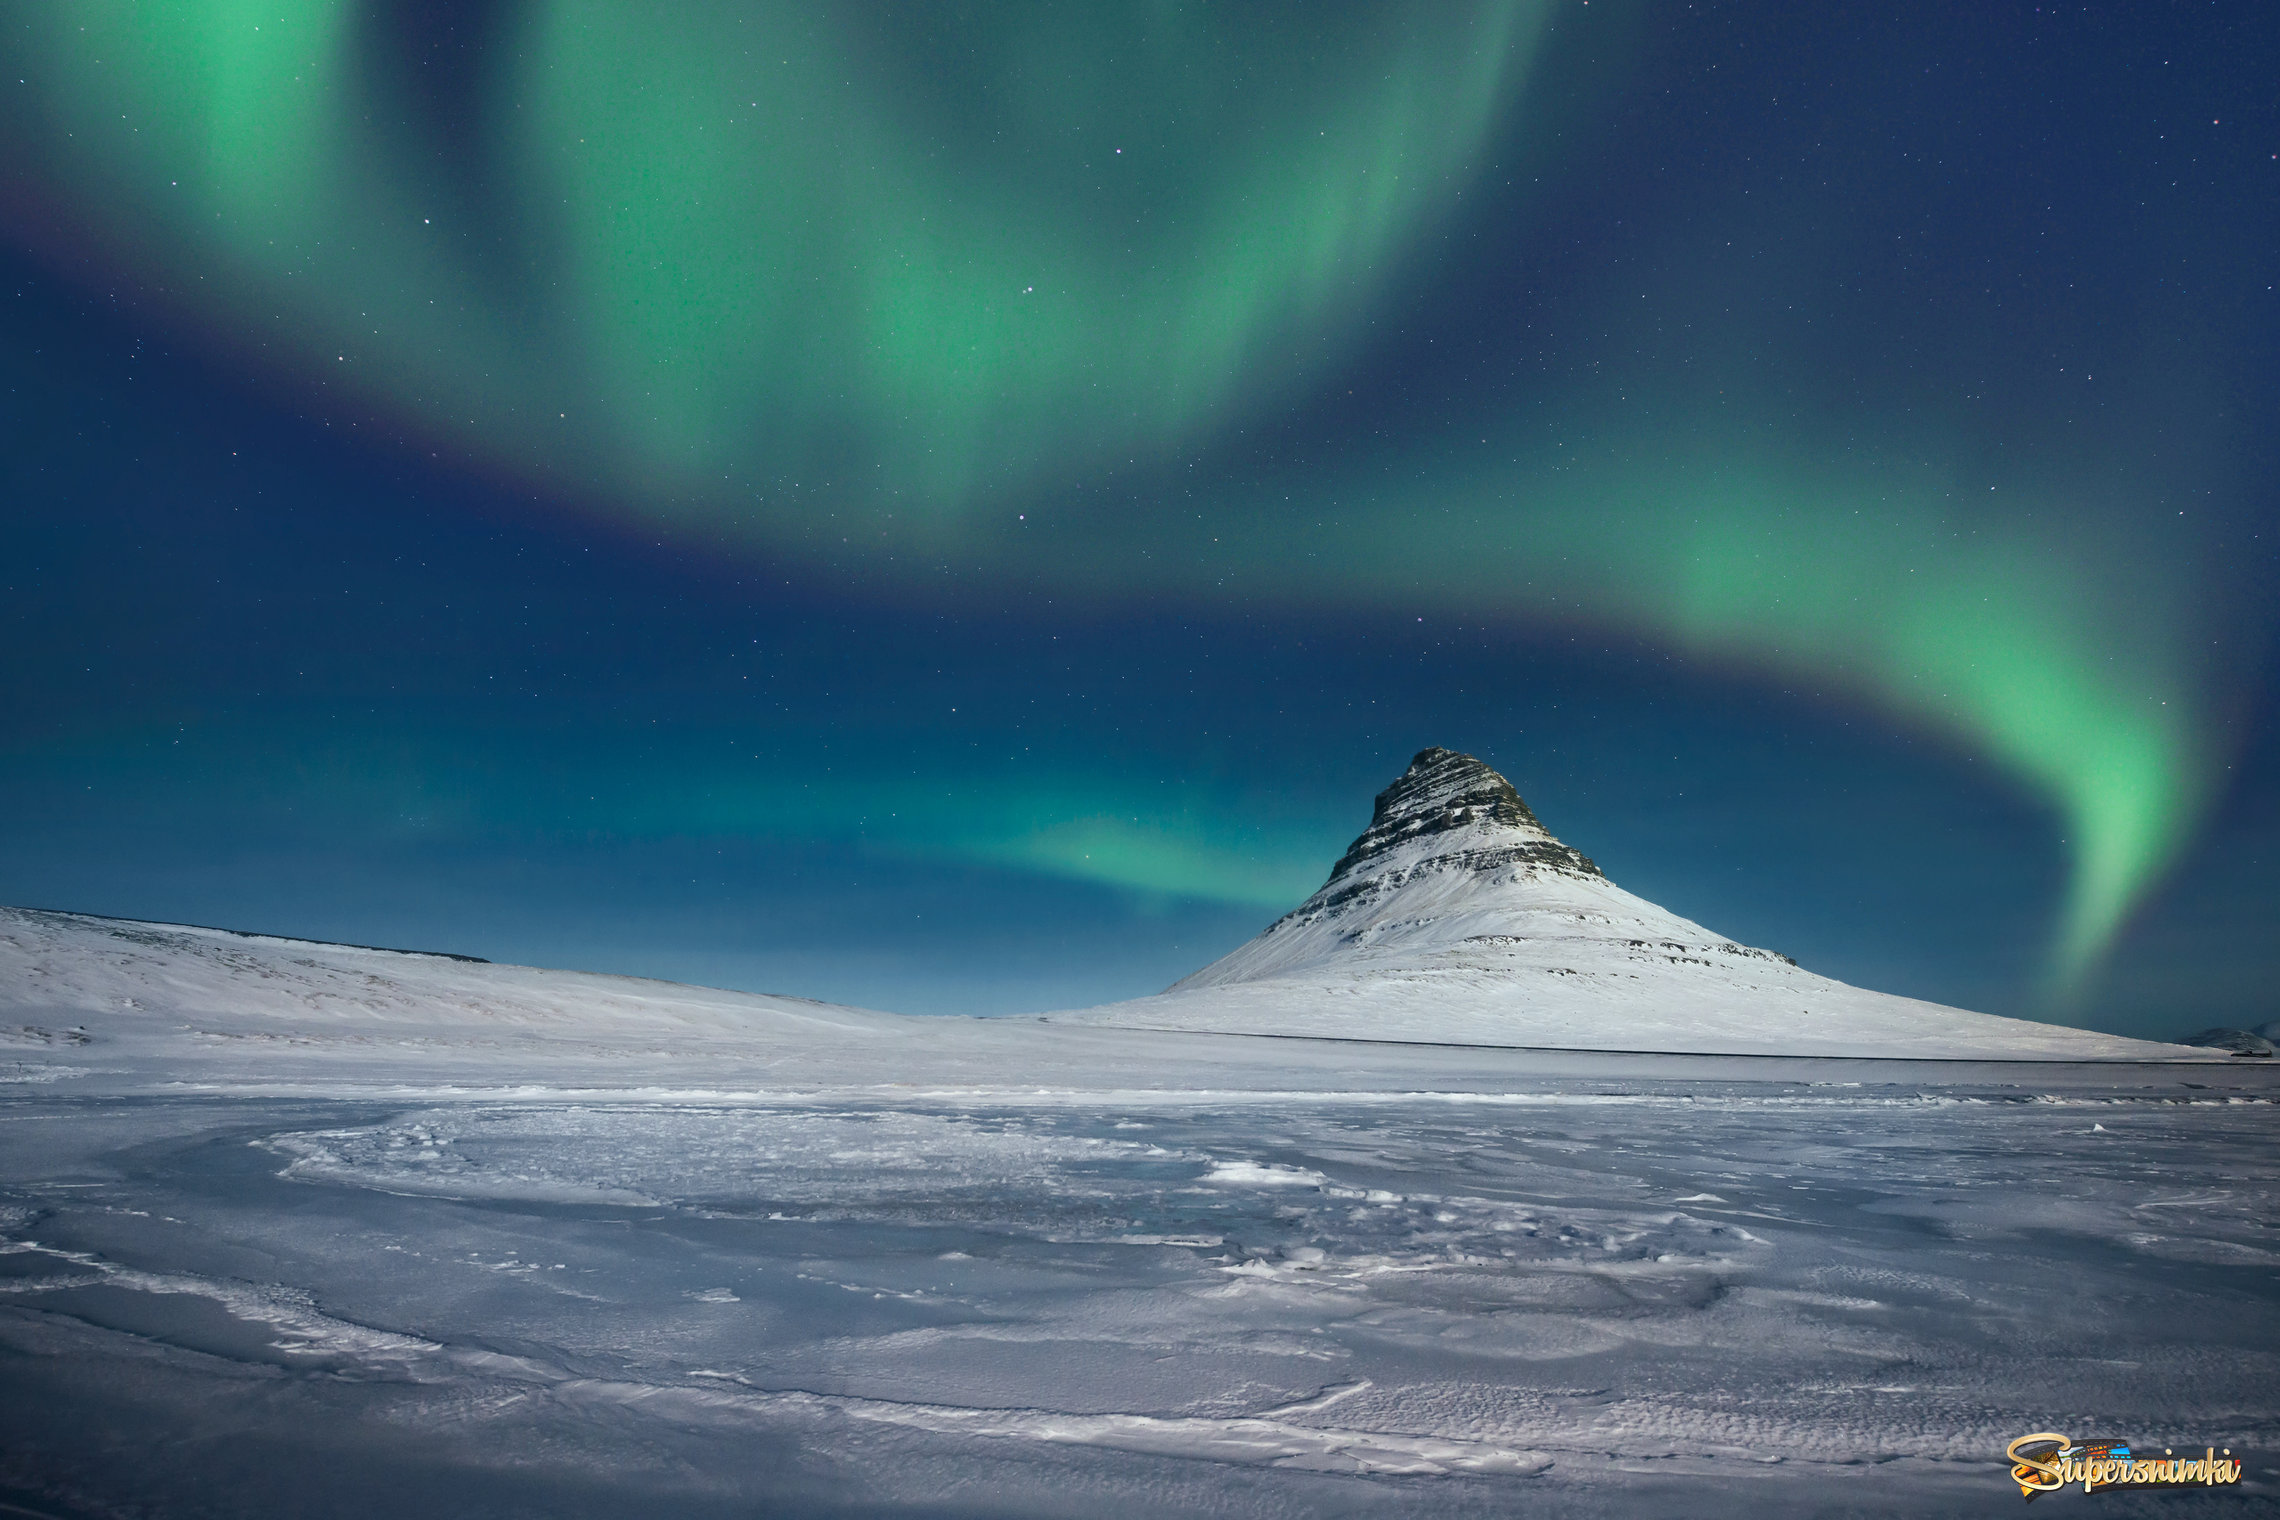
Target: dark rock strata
(1442, 791)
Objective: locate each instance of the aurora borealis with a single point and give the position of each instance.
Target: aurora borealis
(771, 476)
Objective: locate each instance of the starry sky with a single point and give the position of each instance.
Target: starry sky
(958, 508)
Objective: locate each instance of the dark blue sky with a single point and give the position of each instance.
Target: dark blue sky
(1825, 462)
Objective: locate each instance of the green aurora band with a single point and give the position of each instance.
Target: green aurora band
(810, 282)
(688, 257)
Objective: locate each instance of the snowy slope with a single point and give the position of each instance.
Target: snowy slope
(1457, 917)
(84, 989)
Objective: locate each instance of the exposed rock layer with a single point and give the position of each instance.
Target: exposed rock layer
(1447, 812)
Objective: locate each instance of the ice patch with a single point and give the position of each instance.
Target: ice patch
(1274, 1439)
(301, 1329)
(1258, 1174)
(1254, 1441)
(644, 1157)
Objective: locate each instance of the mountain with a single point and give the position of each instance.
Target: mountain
(1456, 917)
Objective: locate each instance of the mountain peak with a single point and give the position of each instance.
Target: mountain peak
(1448, 793)
(1453, 872)
(1456, 918)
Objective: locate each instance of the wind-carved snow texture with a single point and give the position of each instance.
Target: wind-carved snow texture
(1457, 917)
(1570, 1297)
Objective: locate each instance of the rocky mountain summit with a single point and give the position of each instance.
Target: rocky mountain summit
(1473, 819)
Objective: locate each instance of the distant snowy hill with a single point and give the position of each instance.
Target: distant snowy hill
(95, 992)
(1457, 917)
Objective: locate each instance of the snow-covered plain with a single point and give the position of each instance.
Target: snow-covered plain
(289, 1229)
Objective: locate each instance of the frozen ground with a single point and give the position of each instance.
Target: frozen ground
(1621, 1294)
(297, 1230)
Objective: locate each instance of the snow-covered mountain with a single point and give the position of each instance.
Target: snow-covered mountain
(1457, 917)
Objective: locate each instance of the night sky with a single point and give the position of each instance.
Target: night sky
(958, 508)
